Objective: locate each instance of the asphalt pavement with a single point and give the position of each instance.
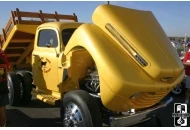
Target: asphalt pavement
(39, 114)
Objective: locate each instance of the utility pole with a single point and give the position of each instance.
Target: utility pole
(185, 39)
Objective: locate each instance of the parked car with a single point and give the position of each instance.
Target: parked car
(180, 89)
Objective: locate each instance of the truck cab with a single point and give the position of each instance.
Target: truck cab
(50, 42)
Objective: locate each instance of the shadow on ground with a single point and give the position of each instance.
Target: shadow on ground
(18, 119)
(35, 103)
(39, 114)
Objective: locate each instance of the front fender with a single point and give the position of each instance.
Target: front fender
(117, 71)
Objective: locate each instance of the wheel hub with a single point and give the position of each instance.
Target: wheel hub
(178, 89)
(72, 116)
(21, 90)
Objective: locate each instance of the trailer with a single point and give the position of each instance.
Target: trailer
(117, 70)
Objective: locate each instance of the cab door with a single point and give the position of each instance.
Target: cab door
(45, 60)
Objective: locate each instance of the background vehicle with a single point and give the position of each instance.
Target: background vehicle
(180, 89)
(106, 71)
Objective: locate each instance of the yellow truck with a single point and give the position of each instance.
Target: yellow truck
(117, 70)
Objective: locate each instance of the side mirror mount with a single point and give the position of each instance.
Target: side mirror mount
(49, 45)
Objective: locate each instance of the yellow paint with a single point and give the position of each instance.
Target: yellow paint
(2, 71)
(121, 75)
(119, 72)
(26, 52)
(50, 76)
(142, 31)
(31, 29)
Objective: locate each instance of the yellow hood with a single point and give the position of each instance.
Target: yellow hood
(140, 34)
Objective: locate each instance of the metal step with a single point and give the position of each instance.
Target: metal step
(47, 98)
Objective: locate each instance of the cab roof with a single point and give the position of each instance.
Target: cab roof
(61, 25)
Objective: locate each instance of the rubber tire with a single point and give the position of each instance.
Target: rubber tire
(26, 80)
(182, 92)
(14, 91)
(88, 106)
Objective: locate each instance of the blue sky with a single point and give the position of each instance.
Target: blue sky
(174, 17)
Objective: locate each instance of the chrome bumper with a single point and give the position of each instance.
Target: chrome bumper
(141, 116)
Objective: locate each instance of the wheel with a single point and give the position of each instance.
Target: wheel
(26, 87)
(80, 109)
(13, 83)
(179, 90)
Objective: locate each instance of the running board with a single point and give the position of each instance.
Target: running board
(47, 98)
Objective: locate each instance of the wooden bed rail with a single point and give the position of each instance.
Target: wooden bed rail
(17, 17)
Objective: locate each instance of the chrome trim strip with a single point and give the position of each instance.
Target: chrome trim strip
(115, 33)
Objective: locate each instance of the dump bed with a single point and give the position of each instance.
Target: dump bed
(17, 39)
